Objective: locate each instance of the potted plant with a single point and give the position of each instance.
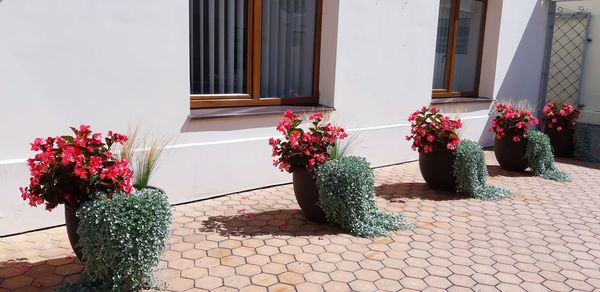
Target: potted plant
(511, 127)
(434, 136)
(300, 152)
(69, 170)
(559, 124)
(347, 195)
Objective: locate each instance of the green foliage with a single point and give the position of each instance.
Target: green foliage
(540, 158)
(471, 173)
(143, 153)
(341, 148)
(347, 195)
(583, 143)
(84, 285)
(123, 238)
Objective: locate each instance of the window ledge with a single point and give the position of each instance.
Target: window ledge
(451, 100)
(225, 112)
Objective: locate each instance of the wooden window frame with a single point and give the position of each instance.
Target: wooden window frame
(452, 37)
(253, 68)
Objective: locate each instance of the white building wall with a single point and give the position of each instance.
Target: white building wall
(590, 95)
(109, 63)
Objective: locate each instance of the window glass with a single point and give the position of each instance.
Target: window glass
(219, 46)
(468, 45)
(288, 46)
(443, 41)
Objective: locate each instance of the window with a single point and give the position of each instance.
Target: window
(254, 52)
(458, 49)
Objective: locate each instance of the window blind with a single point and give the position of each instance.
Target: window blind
(219, 46)
(287, 47)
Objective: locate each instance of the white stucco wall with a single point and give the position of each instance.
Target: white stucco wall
(112, 62)
(590, 95)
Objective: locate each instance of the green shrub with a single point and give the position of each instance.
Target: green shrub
(347, 196)
(471, 173)
(540, 158)
(583, 143)
(84, 285)
(123, 238)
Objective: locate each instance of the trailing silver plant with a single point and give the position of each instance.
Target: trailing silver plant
(471, 173)
(540, 158)
(122, 240)
(347, 196)
(583, 143)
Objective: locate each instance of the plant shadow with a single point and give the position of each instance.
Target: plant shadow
(577, 162)
(276, 222)
(401, 192)
(24, 275)
(496, 170)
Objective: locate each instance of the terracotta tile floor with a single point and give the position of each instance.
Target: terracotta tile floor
(546, 238)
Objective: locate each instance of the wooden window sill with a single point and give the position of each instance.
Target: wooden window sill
(451, 100)
(225, 112)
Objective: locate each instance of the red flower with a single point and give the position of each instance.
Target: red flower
(561, 116)
(303, 149)
(512, 122)
(316, 116)
(70, 163)
(432, 131)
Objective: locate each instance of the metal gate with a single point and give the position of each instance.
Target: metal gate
(565, 59)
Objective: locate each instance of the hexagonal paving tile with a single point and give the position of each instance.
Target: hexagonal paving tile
(545, 238)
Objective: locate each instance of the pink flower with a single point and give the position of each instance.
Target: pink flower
(431, 129)
(85, 129)
(68, 155)
(95, 164)
(294, 137)
(316, 116)
(80, 172)
(97, 139)
(37, 144)
(558, 129)
(516, 138)
(303, 149)
(274, 142)
(79, 157)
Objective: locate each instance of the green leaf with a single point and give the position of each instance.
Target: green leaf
(471, 173)
(347, 196)
(69, 139)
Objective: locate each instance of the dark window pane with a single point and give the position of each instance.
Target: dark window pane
(219, 46)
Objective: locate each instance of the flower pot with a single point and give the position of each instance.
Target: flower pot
(562, 142)
(307, 195)
(511, 154)
(437, 169)
(72, 223)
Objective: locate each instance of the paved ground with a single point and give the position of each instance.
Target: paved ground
(546, 238)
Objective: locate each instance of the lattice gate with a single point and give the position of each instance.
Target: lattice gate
(569, 37)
